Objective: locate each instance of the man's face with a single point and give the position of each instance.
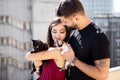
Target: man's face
(69, 21)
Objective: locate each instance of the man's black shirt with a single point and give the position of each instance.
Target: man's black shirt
(89, 44)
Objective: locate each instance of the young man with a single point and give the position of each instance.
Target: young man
(90, 46)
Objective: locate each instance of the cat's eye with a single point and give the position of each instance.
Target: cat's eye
(37, 46)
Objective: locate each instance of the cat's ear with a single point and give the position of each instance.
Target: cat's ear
(39, 40)
(32, 40)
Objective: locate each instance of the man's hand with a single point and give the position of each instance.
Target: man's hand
(69, 55)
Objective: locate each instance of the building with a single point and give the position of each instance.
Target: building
(15, 35)
(98, 7)
(110, 24)
(102, 12)
(43, 12)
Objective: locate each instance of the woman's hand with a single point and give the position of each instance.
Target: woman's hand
(37, 63)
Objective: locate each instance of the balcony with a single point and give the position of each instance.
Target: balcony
(114, 73)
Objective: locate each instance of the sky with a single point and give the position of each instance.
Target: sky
(117, 5)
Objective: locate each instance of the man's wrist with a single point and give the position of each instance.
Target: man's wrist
(73, 61)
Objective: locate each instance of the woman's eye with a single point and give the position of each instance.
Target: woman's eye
(54, 32)
(62, 32)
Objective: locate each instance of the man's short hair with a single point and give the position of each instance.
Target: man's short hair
(69, 7)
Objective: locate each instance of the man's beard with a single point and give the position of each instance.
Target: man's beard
(75, 26)
(72, 28)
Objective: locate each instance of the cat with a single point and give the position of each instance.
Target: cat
(38, 45)
(64, 49)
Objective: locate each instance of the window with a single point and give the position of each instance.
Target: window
(13, 43)
(7, 19)
(20, 25)
(14, 22)
(117, 34)
(3, 41)
(7, 40)
(118, 61)
(9, 61)
(117, 42)
(10, 41)
(17, 44)
(0, 61)
(2, 19)
(106, 24)
(26, 26)
(14, 62)
(3, 61)
(25, 65)
(21, 46)
(20, 65)
(117, 51)
(25, 46)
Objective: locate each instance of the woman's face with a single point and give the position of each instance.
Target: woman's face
(58, 32)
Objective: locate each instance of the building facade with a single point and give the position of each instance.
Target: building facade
(98, 7)
(15, 35)
(43, 13)
(102, 12)
(110, 24)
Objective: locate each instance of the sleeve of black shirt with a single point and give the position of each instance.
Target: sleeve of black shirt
(100, 47)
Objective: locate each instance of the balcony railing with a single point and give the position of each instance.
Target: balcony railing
(114, 73)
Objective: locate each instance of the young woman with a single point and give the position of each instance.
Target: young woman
(51, 68)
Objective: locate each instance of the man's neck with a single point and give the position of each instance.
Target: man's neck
(84, 22)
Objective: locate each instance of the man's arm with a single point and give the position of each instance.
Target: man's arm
(99, 71)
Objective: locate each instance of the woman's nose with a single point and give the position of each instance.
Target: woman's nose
(57, 35)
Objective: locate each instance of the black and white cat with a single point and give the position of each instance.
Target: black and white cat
(38, 45)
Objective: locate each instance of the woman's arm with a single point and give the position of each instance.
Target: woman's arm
(48, 54)
(44, 55)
